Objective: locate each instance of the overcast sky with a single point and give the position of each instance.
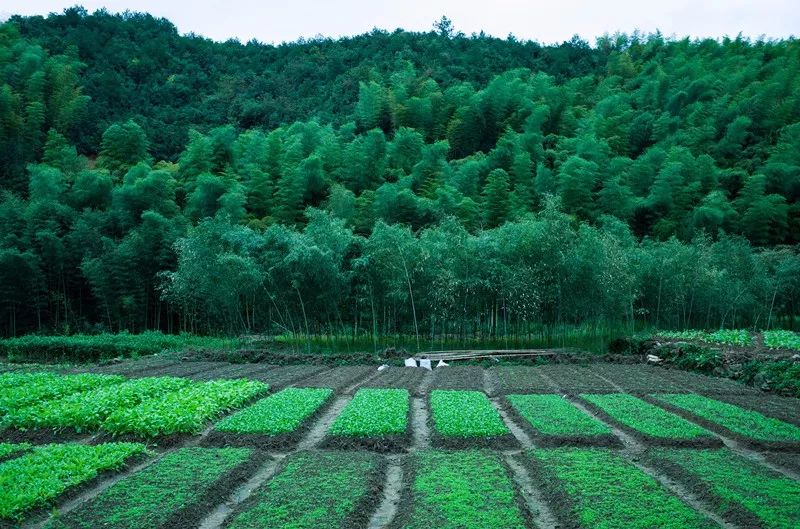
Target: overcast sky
(545, 21)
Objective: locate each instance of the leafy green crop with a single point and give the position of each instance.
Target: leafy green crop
(773, 498)
(645, 417)
(185, 410)
(747, 423)
(607, 492)
(468, 488)
(782, 340)
(465, 414)
(319, 490)
(19, 390)
(554, 415)
(722, 336)
(374, 412)
(86, 411)
(9, 449)
(280, 413)
(34, 479)
(148, 498)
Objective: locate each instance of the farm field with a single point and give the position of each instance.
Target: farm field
(506, 447)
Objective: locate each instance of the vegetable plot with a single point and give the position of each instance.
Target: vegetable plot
(184, 411)
(740, 490)
(271, 420)
(375, 418)
(172, 492)
(553, 421)
(649, 422)
(467, 418)
(748, 425)
(453, 490)
(320, 490)
(598, 489)
(20, 390)
(86, 411)
(34, 479)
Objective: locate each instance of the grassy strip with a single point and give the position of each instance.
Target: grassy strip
(740, 490)
(184, 411)
(744, 423)
(34, 479)
(465, 414)
(321, 490)
(462, 489)
(277, 414)
(594, 488)
(649, 421)
(23, 390)
(553, 421)
(162, 494)
(86, 411)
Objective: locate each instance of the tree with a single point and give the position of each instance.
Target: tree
(496, 198)
(123, 146)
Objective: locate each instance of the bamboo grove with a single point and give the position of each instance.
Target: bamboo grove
(392, 183)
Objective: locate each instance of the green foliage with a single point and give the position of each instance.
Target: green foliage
(465, 414)
(374, 413)
(645, 417)
(277, 414)
(605, 491)
(184, 411)
(148, 498)
(320, 490)
(86, 411)
(747, 423)
(25, 389)
(722, 336)
(740, 481)
(34, 479)
(462, 489)
(10, 449)
(782, 340)
(554, 415)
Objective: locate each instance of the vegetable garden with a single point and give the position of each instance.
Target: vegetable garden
(514, 447)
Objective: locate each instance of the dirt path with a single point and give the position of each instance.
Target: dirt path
(522, 438)
(317, 433)
(542, 515)
(419, 424)
(392, 494)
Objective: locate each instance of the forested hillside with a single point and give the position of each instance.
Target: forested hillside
(394, 182)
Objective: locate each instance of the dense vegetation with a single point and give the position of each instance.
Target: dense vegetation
(419, 183)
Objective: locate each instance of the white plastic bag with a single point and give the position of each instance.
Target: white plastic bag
(382, 367)
(411, 362)
(442, 363)
(426, 363)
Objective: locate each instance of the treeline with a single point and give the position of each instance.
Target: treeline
(641, 180)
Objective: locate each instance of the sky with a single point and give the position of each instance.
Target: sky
(550, 21)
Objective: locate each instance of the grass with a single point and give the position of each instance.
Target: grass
(148, 498)
(18, 391)
(86, 411)
(744, 422)
(470, 488)
(184, 411)
(322, 490)
(646, 418)
(465, 414)
(373, 413)
(771, 497)
(604, 491)
(277, 414)
(554, 415)
(10, 449)
(34, 479)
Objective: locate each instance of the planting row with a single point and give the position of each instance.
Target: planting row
(145, 407)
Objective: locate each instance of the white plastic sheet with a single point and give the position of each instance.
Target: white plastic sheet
(411, 362)
(426, 363)
(442, 363)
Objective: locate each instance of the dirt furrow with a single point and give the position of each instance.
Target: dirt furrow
(522, 437)
(542, 515)
(352, 389)
(392, 494)
(419, 424)
(317, 433)
(220, 514)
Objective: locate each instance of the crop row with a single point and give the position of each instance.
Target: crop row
(35, 478)
(377, 417)
(722, 336)
(782, 340)
(172, 492)
(146, 407)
